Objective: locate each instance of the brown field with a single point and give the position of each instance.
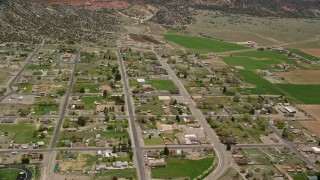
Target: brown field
(301, 76)
(313, 52)
(143, 38)
(71, 166)
(313, 110)
(217, 63)
(312, 126)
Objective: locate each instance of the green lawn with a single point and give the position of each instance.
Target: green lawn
(89, 101)
(9, 174)
(155, 109)
(23, 132)
(155, 141)
(203, 44)
(262, 85)
(36, 67)
(93, 87)
(133, 82)
(182, 168)
(120, 173)
(304, 55)
(162, 84)
(300, 176)
(256, 156)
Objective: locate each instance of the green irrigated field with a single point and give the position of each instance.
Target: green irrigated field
(262, 86)
(162, 84)
(270, 55)
(249, 63)
(120, 173)
(257, 59)
(182, 168)
(302, 93)
(203, 44)
(305, 55)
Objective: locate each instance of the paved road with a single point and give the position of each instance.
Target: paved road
(294, 149)
(261, 145)
(65, 104)
(223, 157)
(27, 172)
(136, 144)
(10, 85)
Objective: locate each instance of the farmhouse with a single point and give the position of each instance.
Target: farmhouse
(290, 109)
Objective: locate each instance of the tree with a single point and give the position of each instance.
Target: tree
(117, 77)
(41, 156)
(178, 117)
(224, 90)
(25, 161)
(82, 90)
(82, 120)
(106, 118)
(114, 149)
(228, 147)
(166, 151)
(122, 108)
(105, 94)
(115, 178)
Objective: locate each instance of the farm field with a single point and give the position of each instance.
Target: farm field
(312, 126)
(182, 168)
(202, 44)
(162, 84)
(313, 110)
(301, 76)
(248, 63)
(271, 55)
(305, 55)
(262, 86)
(306, 94)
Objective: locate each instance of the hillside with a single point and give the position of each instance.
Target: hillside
(26, 21)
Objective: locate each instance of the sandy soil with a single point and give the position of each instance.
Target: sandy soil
(91, 5)
(313, 52)
(313, 110)
(312, 126)
(301, 76)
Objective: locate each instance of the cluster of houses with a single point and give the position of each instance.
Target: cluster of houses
(26, 146)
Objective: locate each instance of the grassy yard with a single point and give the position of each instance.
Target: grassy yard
(182, 168)
(151, 142)
(22, 132)
(89, 101)
(162, 84)
(120, 173)
(305, 55)
(93, 87)
(133, 82)
(203, 44)
(256, 156)
(155, 109)
(9, 174)
(36, 67)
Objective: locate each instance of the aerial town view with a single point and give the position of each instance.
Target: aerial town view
(159, 89)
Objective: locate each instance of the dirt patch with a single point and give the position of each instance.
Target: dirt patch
(106, 87)
(89, 4)
(301, 76)
(43, 88)
(313, 110)
(217, 63)
(313, 52)
(144, 38)
(71, 166)
(312, 126)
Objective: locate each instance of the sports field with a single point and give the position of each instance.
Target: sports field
(202, 44)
